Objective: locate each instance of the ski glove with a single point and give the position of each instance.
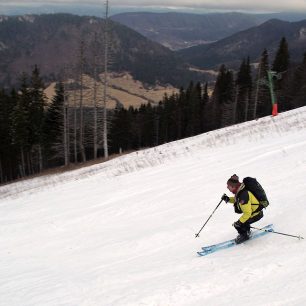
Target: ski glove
(237, 225)
(225, 198)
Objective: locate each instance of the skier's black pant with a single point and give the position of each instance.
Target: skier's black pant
(245, 227)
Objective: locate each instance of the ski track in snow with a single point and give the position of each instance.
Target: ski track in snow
(122, 233)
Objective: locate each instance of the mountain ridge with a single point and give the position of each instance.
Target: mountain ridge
(251, 42)
(182, 30)
(52, 41)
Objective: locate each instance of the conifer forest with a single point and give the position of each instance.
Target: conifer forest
(36, 136)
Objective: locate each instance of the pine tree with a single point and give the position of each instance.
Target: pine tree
(297, 87)
(281, 65)
(193, 101)
(243, 92)
(54, 125)
(167, 113)
(204, 109)
(119, 134)
(182, 114)
(223, 99)
(36, 114)
(281, 61)
(262, 102)
(7, 152)
(196, 109)
(21, 126)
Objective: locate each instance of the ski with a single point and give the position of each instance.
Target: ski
(230, 243)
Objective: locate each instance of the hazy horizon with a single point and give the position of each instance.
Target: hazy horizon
(118, 6)
(99, 10)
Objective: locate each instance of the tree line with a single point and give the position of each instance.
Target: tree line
(36, 136)
(236, 97)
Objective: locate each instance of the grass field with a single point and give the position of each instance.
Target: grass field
(122, 88)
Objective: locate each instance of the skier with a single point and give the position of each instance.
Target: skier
(246, 204)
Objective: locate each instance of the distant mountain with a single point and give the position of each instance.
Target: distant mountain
(251, 42)
(86, 9)
(182, 30)
(53, 42)
(287, 16)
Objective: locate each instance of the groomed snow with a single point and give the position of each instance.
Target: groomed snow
(123, 232)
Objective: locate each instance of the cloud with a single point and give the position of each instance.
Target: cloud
(259, 5)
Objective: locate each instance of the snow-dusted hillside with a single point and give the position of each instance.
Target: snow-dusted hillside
(122, 232)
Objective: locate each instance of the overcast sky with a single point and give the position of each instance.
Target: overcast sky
(258, 5)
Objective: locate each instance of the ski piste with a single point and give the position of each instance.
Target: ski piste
(230, 243)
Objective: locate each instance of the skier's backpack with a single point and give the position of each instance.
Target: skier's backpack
(253, 186)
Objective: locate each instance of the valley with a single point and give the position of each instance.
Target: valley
(123, 90)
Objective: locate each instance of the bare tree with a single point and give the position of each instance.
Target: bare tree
(81, 79)
(235, 104)
(247, 105)
(257, 91)
(75, 121)
(105, 81)
(66, 138)
(95, 99)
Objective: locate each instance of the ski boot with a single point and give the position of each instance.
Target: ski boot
(242, 237)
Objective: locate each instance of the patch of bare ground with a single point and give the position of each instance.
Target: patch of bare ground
(122, 89)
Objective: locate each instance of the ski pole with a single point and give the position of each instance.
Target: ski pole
(198, 234)
(260, 229)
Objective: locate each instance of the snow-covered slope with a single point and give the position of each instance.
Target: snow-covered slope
(123, 232)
